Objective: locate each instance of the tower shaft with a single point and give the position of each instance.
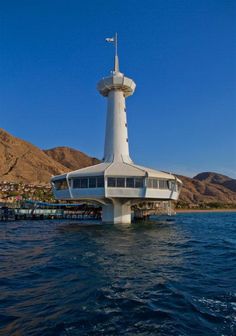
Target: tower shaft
(116, 88)
(116, 139)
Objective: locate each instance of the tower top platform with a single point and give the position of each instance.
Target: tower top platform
(116, 82)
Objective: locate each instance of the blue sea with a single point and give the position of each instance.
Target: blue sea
(166, 276)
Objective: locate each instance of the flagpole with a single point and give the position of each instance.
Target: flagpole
(116, 44)
(114, 40)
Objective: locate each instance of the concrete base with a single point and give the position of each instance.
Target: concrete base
(116, 213)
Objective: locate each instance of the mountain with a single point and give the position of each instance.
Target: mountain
(217, 179)
(200, 189)
(71, 158)
(23, 162)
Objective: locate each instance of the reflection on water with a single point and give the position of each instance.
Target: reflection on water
(159, 277)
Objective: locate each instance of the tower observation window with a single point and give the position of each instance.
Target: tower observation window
(120, 182)
(155, 183)
(125, 182)
(92, 182)
(163, 184)
(84, 182)
(100, 182)
(130, 182)
(88, 182)
(60, 184)
(111, 182)
(138, 182)
(173, 185)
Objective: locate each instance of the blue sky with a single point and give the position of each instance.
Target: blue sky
(181, 54)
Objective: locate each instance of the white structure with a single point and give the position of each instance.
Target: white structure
(116, 183)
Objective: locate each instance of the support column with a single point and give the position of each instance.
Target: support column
(116, 213)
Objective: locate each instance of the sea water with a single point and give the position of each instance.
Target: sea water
(166, 276)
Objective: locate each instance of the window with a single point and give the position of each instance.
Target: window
(100, 182)
(92, 182)
(138, 182)
(149, 183)
(172, 185)
(155, 183)
(76, 183)
(111, 182)
(84, 182)
(88, 182)
(120, 182)
(125, 182)
(163, 184)
(130, 182)
(60, 184)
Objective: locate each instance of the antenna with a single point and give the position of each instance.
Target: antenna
(116, 59)
(116, 65)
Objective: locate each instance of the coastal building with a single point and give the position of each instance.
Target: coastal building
(117, 183)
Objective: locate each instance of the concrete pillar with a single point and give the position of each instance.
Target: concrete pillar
(116, 213)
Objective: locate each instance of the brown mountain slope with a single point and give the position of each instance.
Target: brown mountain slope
(218, 179)
(71, 158)
(196, 192)
(20, 161)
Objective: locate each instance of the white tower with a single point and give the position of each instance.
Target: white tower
(116, 88)
(117, 183)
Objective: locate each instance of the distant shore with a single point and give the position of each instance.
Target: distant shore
(203, 210)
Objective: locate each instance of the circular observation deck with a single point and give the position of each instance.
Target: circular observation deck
(116, 82)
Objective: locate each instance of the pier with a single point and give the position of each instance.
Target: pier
(41, 211)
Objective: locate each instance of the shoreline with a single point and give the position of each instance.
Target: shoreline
(203, 210)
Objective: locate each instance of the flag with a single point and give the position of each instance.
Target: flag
(110, 39)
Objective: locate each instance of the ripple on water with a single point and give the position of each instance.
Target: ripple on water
(153, 278)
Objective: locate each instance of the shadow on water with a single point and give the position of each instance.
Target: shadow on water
(165, 276)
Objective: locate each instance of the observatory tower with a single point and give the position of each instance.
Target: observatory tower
(116, 88)
(117, 183)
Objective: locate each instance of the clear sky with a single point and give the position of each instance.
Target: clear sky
(181, 54)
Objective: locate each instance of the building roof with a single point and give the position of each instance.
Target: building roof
(117, 169)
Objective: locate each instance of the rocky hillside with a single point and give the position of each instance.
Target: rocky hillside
(217, 179)
(71, 158)
(23, 162)
(199, 189)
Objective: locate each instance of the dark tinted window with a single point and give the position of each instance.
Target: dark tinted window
(84, 182)
(120, 182)
(111, 182)
(130, 182)
(76, 183)
(100, 182)
(138, 182)
(92, 182)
